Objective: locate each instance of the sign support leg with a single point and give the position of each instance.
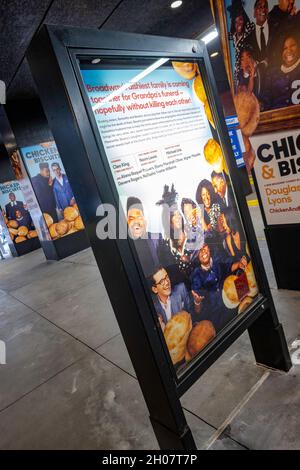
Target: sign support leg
(170, 440)
(268, 341)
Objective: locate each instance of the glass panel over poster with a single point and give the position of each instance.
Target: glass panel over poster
(52, 189)
(160, 140)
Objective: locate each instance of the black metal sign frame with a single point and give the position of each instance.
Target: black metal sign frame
(53, 58)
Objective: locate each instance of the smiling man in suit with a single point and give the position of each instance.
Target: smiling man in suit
(261, 38)
(13, 206)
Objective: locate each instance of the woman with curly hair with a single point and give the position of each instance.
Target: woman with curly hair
(240, 28)
(174, 253)
(205, 195)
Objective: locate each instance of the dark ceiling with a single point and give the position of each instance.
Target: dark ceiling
(20, 19)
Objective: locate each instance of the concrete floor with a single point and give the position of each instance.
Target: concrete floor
(69, 383)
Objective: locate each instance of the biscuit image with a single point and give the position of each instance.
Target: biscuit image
(70, 213)
(23, 231)
(48, 219)
(52, 231)
(186, 70)
(247, 108)
(13, 224)
(208, 113)
(214, 155)
(62, 227)
(32, 234)
(245, 304)
(251, 280)
(13, 232)
(201, 334)
(176, 334)
(79, 223)
(20, 239)
(199, 89)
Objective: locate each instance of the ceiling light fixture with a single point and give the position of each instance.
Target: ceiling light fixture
(176, 4)
(96, 61)
(214, 54)
(210, 36)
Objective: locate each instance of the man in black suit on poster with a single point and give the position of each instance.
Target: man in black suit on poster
(146, 243)
(223, 191)
(261, 39)
(43, 187)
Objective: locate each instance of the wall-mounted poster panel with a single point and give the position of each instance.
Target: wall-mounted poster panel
(277, 168)
(16, 214)
(52, 189)
(156, 127)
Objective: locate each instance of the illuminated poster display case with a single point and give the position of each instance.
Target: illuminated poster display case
(160, 197)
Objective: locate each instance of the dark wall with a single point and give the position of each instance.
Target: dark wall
(28, 122)
(6, 171)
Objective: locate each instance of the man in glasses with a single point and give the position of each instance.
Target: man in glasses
(167, 300)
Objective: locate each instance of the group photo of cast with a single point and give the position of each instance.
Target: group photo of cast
(56, 200)
(199, 270)
(265, 37)
(17, 219)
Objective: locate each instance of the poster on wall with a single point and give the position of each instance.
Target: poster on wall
(5, 240)
(156, 126)
(277, 168)
(52, 189)
(261, 46)
(15, 213)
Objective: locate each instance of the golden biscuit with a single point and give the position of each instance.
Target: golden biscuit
(32, 234)
(247, 108)
(23, 231)
(245, 304)
(199, 88)
(70, 213)
(185, 69)
(52, 231)
(13, 224)
(48, 219)
(176, 334)
(202, 333)
(62, 227)
(20, 239)
(208, 113)
(79, 223)
(230, 292)
(214, 155)
(13, 231)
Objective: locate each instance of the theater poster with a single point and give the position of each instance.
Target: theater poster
(161, 144)
(15, 213)
(277, 168)
(52, 189)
